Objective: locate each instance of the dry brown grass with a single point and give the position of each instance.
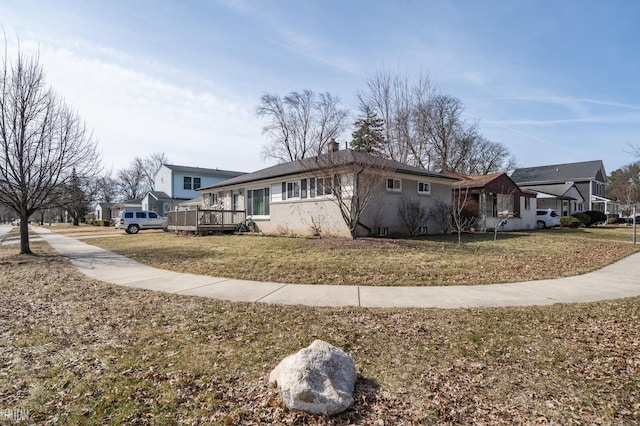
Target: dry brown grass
(77, 351)
(516, 256)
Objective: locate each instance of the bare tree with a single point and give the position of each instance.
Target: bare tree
(106, 188)
(623, 185)
(301, 124)
(42, 140)
(413, 214)
(355, 179)
(451, 140)
(489, 157)
(440, 213)
(461, 221)
(131, 181)
(151, 165)
(139, 178)
(395, 100)
(425, 128)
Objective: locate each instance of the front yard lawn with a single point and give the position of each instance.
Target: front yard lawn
(78, 351)
(515, 256)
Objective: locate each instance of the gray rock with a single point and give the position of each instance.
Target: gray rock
(319, 379)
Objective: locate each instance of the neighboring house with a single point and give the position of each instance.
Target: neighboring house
(563, 198)
(174, 184)
(554, 184)
(107, 211)
(104, 211)
(158, 201)
(296, 198)
(130, 205)
(495, 197)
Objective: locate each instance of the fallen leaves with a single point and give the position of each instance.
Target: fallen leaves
(77, 351)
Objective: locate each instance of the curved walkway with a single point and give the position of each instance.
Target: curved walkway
(615, 281)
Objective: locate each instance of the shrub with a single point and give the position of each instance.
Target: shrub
(570, 222)
(583, 218)
(105, 222)
(596, 217)
(616, 221)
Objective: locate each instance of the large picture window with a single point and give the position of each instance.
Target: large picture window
(504, 204)
(258, 202)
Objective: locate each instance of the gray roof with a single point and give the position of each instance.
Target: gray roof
(203, 171)
(160, 195)
(197, 200)
(558, 190)
(346, 157)
(560, 173)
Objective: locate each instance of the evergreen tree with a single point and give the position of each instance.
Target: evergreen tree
(76, 198)
(369, 134)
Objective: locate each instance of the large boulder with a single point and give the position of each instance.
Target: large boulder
(319, 379)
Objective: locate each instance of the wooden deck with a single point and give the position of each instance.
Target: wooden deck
(204, 220)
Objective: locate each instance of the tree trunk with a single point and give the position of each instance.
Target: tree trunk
(24, 235)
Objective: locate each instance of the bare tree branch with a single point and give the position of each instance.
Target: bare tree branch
(301, 124)
(42, 140)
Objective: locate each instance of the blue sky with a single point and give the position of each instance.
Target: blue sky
(555, 81)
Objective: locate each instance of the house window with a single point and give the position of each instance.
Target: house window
(312, 188)
(293, 190)
(258, 202)
(213, 199)
(424, 188)
(196, 183)
(422, 230)
(394, 185)
(187, 182)
(383, 232)
(323, 186)
(504, 204)
(527, 203)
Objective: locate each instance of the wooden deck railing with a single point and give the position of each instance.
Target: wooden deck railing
(202, 219)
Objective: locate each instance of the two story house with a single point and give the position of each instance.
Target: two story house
(175, 184)
(567, 188)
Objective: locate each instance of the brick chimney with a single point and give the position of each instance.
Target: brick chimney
(333, 146)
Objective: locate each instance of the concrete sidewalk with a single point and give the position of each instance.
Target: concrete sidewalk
(619, 280)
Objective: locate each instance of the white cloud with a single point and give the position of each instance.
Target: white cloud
(134, 112)
(315, 48)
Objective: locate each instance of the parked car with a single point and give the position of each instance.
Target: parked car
(547, 218)
(630, 220)
(134, 221)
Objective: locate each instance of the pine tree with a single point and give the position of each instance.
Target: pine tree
(369, 134)
(75, 198)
